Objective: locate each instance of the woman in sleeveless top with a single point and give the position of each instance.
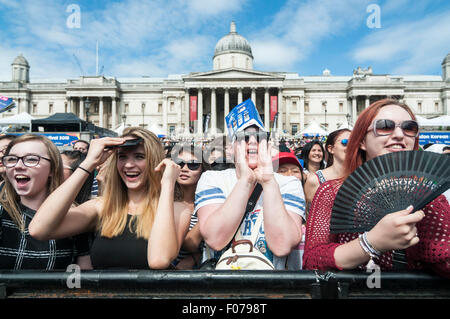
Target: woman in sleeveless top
(135, 220)
(335, 148)
(373, 136)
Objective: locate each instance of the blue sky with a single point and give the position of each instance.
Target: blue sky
(161, 37)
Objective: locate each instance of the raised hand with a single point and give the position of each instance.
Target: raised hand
(169, 169)
(396, 230)
(264, 170)
(100, 149)
(242, 169)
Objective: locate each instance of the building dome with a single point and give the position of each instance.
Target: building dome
(20, 60)
(233, 42)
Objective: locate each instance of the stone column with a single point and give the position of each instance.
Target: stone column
(302, 112)
(354, 109)
(239, 95)
(266, 109)
(367, 101)
(253, 95)
(179, 111)
(226, 107)
(81, 115)
(213, 111)
(113, 112)
(100, 111)
(187, 108)
(165, 117)
(280, 112)
(200, 112)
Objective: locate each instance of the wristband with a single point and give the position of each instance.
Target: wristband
(83, 169)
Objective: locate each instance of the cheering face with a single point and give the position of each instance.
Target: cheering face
(131, 165)
(30, 180)
(316, 154)
(191, 169)
(396, 139)
(252, 137)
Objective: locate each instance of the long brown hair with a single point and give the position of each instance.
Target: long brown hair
(8, 196)
(113, 217)
(354, 155)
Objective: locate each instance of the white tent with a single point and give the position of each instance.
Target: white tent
(157, 130)
(119, 129)
(313, 129)
(439, 121)
(422, 120)
(345, 125)
(21, 118)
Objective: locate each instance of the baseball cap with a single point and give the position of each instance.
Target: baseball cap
(284, 158)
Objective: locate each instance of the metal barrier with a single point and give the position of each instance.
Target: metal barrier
(221, 284)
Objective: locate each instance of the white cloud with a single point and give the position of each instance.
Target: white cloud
(275, 55)
(415, 46)
(300, 27)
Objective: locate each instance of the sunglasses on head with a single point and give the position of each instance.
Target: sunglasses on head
(258, 135)
(344, 141)
(191, 165)
(386, 127)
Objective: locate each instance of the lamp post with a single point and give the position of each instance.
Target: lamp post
(124, 119)
(326, 126)
(87, 104)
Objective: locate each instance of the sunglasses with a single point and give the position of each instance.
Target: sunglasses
(344, 142)
(386, 127)
(258, 135)
(191, 165)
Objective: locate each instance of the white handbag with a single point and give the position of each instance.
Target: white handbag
(243, 255)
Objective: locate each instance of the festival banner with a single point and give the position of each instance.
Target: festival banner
(193, 108)
(273, 106)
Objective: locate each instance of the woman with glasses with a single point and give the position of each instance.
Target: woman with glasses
(135, 221)
(385, 126)
(192, 162)
(335, 147)
(33, 170)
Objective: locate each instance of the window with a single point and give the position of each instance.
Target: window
(436, 107)
(172, 106)
(127, 107)
(65, 107)
(171, 129)
(34, 110)
(50, 108)
(294, 129)
(159, 107)
(419, 107)
(341, 107)
(294, 105)
(306, 107)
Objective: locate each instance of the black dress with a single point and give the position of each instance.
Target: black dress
(125, 251)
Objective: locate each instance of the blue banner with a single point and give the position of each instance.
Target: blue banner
(434, 138)
(6, 103)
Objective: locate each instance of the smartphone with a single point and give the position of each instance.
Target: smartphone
(128, 143)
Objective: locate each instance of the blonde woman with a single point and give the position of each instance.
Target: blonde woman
(136, 224)
(33, 170)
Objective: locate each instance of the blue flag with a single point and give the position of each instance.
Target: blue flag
(6, 103)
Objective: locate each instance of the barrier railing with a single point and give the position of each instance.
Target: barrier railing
(221, 284)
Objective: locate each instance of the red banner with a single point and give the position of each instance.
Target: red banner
(273, 106)
(193, 108)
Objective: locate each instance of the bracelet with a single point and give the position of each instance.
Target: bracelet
(367, 247)
(83, 169)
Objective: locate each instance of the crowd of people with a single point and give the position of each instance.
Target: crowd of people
(136, 202)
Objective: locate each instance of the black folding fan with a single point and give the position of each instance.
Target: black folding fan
(387, 184)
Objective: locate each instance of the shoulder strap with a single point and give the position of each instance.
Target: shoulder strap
(250, 204)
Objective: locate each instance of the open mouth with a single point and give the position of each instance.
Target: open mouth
(132, 175)
(22, 180)
(396, 147)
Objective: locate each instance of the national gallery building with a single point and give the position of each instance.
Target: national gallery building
(199, 101)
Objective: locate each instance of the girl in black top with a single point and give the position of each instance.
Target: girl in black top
(135, 219)
(33, 169)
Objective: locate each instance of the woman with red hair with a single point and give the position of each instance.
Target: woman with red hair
(385, 126)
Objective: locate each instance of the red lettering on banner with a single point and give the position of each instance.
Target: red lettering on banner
(273, 106)
(193, 108)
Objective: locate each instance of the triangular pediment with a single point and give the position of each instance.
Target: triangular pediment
(240, 74)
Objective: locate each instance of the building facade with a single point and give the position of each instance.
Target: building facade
(193, 103)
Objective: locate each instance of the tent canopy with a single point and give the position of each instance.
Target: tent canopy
(437, 121)
(21, 118)
(313, 129)
(157, 130)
